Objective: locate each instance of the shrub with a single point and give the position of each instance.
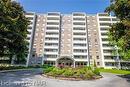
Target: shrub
(96, 71)
(56, 71)
(47, 70)
(83, 73)
(46, 66)
(68, 72)
(89, 74)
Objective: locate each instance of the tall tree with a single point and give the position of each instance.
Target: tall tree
(119, 34)
(13, 30)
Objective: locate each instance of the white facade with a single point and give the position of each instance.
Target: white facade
(30, 36)
(104, 22)
(52, 35)
(80, 41)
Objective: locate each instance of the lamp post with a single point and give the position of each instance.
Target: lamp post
(117, 57)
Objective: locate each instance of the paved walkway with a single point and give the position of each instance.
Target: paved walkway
(32, 78)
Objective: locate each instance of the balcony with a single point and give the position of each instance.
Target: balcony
(52, 41)
(80, 47)
(54, 31)
(79, 31)
(78, 26)
(107, 54)
(51, 53)
(57, 21)
(79, 36)
(104, 36)
(53, 25)
(57, 36)
(51, 46)
(76, 54)
(108, 48)
(79, 42)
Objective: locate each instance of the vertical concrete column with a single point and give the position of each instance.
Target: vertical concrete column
(74, 63)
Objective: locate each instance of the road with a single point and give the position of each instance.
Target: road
(33, 78)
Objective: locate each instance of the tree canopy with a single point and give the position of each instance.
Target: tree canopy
(13, 30)
(119, 33)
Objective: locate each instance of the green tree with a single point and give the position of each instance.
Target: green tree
(119, 34)
(13, 30)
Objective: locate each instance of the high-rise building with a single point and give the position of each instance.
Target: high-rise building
(93, 40)
(31, 32)
(75, 39)
(104, 22)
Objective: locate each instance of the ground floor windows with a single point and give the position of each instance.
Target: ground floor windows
(110, 64)
(66, 63)
(80, 64)
(80, 56)
(49, 62)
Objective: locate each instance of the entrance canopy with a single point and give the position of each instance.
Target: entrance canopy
(65, 61)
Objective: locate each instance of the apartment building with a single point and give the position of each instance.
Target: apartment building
(61, 39)
(80, 39)
(75, 39)
(31, 32)
(39, 35)
(104, 22)
(93, 40)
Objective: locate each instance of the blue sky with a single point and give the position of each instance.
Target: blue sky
(65, 6)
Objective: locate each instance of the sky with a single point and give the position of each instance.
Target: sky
(65, 6)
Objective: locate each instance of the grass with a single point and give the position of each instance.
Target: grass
(115, 71)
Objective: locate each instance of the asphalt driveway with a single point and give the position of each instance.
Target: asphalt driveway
(33, 78)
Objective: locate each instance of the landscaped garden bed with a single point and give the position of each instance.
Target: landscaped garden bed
(68, 73)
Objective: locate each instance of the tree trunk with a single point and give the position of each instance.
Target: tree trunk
(13, 58)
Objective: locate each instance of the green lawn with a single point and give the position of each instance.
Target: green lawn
(115, 71)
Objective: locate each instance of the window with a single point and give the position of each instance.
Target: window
(50, 56)
(82, 45)
(105, 39)
(90, 57)
(97, 57)
(47, 38)
(50, 50)
(51, 33)
(98, 63)
(80, 57)
(79, 39)
(52, 28)
(79, 33)
(78, 28)
(109, 64)
(95, 40)
(78, 14)
(79, 19)
(51, 44)
(79, 50)
(104, 19)
(104, 34)
(105, 24)
(52, 18)
(53, 23)
(78, 23)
